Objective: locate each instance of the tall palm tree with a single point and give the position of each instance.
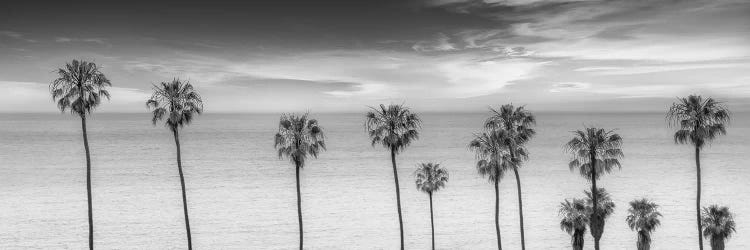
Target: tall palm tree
(718, 224)
(575, 218)
(79, 87)
(699, 121)
(395, 127)
(643, 217)
(518, 123)
(299, 137)
(493, 159)
(430, 178)
(179, 102)
(595, 151)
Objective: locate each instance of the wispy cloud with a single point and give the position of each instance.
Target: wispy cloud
(379, 74)
(569, 86)
(16, 35)
(101, 41)
(441, 43)
(20, 96)
(613, 30)
(646, 69)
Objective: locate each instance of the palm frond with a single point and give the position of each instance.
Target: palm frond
(605, 205)
(79, 87)
(394, 127)
(698, 120)
(643, 216)
(299, 137)
(603, 146)
(492, 154)
(430, 177)
(574, 215)
(718, 222)
(177, 101)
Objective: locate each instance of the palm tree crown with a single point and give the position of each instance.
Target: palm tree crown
(605, 206)
(518, 123)
(643, 216)
(574, 215)
(604, 145)
(79, 87)
(299, 137)
(395, 126)
(493, 154)
(430, 177)
(699, 120)
(718, 222)
(178, 100)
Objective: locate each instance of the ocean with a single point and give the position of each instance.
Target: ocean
(242, 196)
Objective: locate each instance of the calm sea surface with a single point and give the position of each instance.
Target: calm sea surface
(241, 196)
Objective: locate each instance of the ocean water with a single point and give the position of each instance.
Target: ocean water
(241, 196)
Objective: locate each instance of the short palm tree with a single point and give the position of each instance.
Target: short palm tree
(575, 218)
(493, 159)
(643, 217)
(430, 177)
(604, 208)
(595, 151)
(176, 102)
(394, 127)
(699, 121)
(80, 87)
(518, 123)
(718, 225)
(299, 137)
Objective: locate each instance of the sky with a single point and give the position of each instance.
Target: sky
(346, 55)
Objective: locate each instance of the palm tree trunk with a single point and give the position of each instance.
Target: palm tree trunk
(717, 243)
(644, 241)
(398, 195)
(594, 215)
(88, 181)
(497, 211)
(299, 209)
(577, 240)
(698, 196)
(182, 183)
(520, 207)
(432, 223)
(520, 202)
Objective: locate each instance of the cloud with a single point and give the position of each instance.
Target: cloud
(569, 86)
(499, 2)
(16, 35)
(441, 43)
(375, 74)
(646, 69)
(18, 96)
(101, 41)
(610, 30)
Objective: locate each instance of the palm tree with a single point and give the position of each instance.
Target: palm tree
(595, 151)
(699, 122)
(79, 88)
(718, 224)
(643, 218)
(518, 123)
(493, 159)
(575, 217)
(179, 102)
(430, 177)
(604, 208)
(394, 127)
(298, 138)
